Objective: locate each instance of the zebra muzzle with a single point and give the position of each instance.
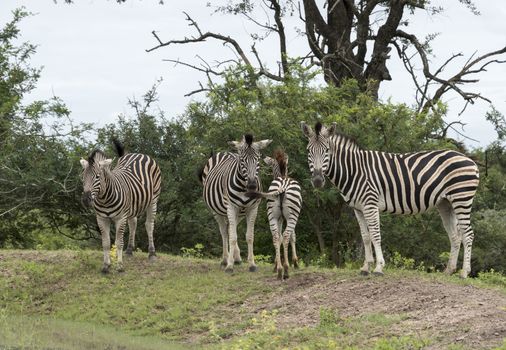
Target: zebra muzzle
(317, 180)
(251, 186)
(86, 199)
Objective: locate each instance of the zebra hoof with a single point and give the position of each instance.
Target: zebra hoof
(229, 269)
(238, 262)
(463, 275)
(364, 273)
(120, 269)
(285, 276)
(280, 274)
(105, 269)
(449, 272)
(223, 264)
(295, 264)
(378, 273)
(152, 257)
(253, 268)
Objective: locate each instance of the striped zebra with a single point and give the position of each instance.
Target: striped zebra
(226, 178)
(120, 195)
(372, 182)
(284, 202)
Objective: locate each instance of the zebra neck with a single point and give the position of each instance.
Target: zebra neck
(345, 167)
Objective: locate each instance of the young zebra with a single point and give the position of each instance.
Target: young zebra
(284, 202)
(226, 178)
(120, 195)
(373, 182)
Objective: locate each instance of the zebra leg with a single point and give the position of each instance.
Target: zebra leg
(222, 224)
(276, 240)
(366, 239)
(371, 215)
(251, 216)
(104, 224)
(286, 240)
(450, 224)
(132, 227)
(466, 231)
(150, 223)
(237, 251)
(232, 237)
(295, 259)
(120, 229)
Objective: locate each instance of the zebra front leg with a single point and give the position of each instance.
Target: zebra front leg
(251, 216)
(366, 239)
(232, 216)
(104, 224)
(132, 227)
(120, 230)
(222, 224)
(371, 215)
(150, 223)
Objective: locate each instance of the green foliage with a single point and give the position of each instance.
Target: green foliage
(195, 252)
(493, 278)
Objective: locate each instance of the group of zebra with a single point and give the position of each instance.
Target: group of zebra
(370, 182)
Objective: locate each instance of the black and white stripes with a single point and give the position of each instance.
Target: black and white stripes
(120, 195)
(372, 182)
(226, 178)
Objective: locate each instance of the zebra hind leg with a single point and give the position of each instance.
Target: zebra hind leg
(449, 220)
(132, 227)
(466, 232)
(223, 225)
(295, 259)
(286, 241)
(150, 222)
(366, 239)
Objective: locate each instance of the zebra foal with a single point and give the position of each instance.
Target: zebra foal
(226, 177)
(120, 195)
(284, 202)
(372, 182)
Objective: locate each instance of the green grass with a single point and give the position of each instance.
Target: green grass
(61, 300)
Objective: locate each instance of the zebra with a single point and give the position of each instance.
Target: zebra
(120, 195)
(284, 202)
(226, 177)
(372, 182)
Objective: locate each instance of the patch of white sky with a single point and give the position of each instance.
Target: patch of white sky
(93, 54)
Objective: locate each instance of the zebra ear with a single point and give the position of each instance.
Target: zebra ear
(268, 160)
(234, 144)
(84, 163)
(261, 144)
(332, 129)
(104, 164)
(306, 129)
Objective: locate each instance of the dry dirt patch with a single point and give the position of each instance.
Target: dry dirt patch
(446, 313)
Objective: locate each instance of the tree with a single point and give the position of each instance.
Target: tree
(347, 39)
(38, 173)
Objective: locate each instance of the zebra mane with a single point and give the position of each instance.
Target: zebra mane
(248, 138)
(280, 158)
(318, 128)
(347, 138)
(118, 147)
(91, 158)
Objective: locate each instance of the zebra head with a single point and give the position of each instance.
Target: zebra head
(318, 151)
(91, 176)
(249, 154)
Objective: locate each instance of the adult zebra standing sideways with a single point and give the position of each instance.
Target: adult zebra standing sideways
(373, 182)
(226, 178)
(284, 202)
(120, 195)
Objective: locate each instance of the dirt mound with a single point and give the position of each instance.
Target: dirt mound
(449, 313)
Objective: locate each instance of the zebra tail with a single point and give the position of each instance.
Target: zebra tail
(267, 195)
(118, 147)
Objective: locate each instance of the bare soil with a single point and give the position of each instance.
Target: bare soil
(448, 313)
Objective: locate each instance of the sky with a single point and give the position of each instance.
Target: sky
(93, 54)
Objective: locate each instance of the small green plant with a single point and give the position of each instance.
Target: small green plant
(263, 259)
(322, 260)
(195, 252)
(403, 263)
(266, 323)
(328, 318)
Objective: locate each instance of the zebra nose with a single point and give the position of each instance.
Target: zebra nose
(317, 179)
(251, 185)
(86, 199)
